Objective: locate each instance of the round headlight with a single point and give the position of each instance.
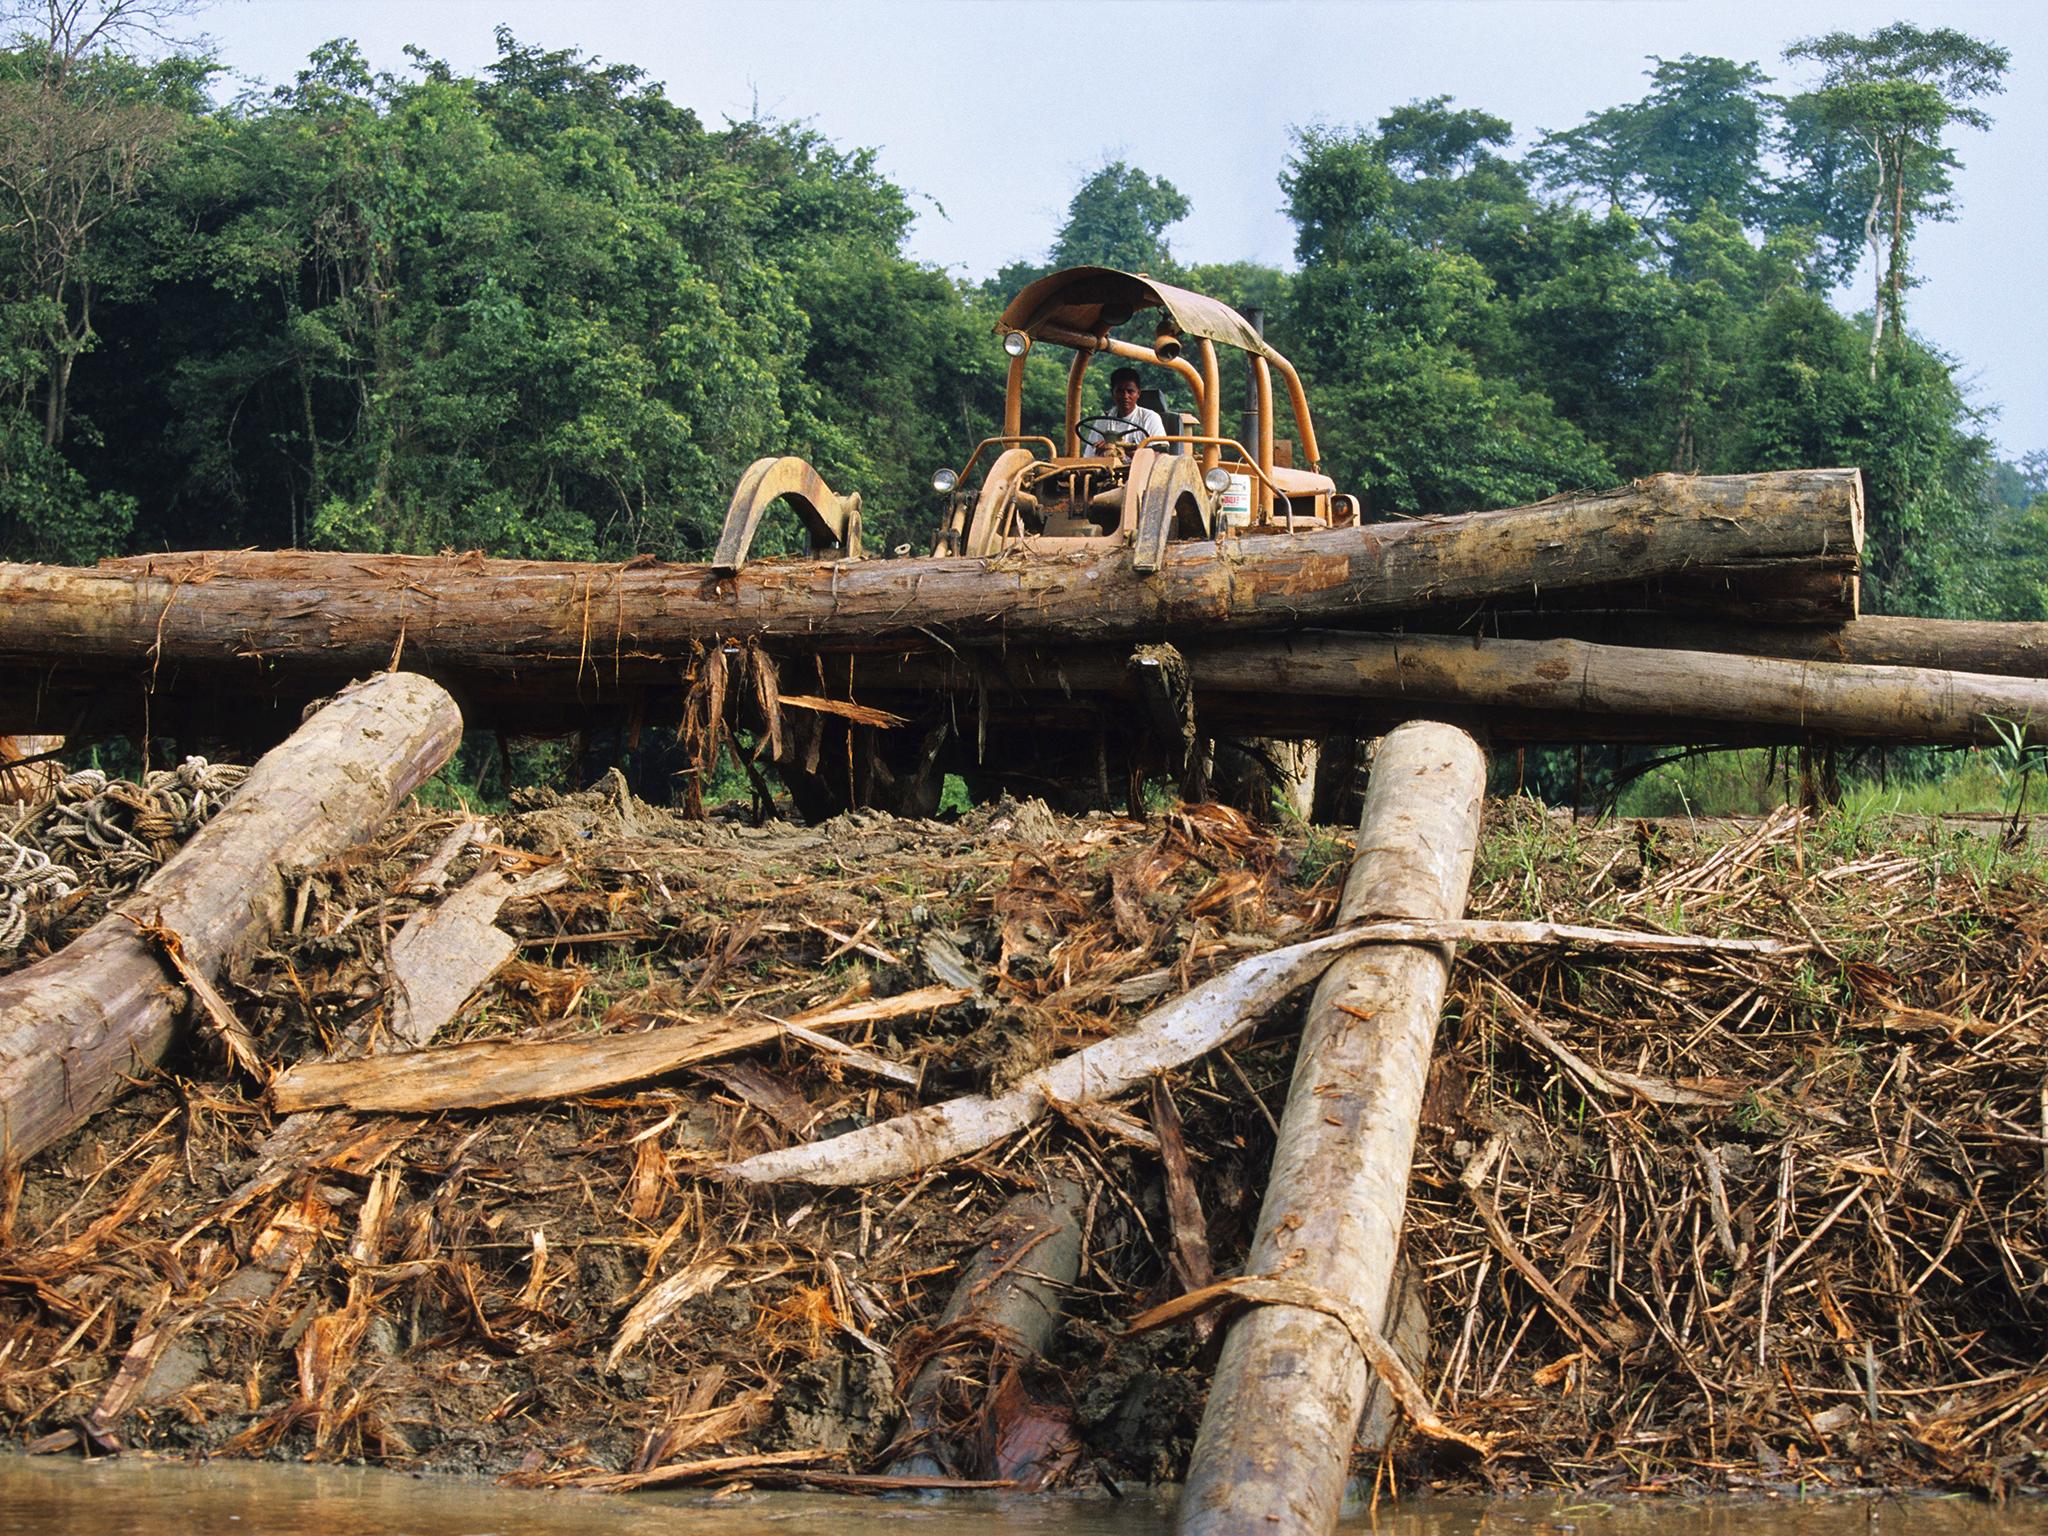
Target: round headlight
(1016, 343)
(1218, 480)
(944, 480)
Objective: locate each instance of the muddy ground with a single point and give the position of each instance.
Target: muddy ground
(1760, 1222)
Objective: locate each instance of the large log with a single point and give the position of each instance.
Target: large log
(1275, 1443)
(1950, 645)
(1004, 1313)
(1534, 691)
(592, 627)
(1552, 690)
(73, 1027)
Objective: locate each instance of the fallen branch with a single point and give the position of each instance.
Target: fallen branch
(1212, 1015)
(1484, 930)
(1504, 1241)
(854, 1057)
(1215, 1013)
(1608, 1082)
(713, 1466)
(482, 1074)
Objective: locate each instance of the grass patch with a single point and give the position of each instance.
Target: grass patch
(1754, 782)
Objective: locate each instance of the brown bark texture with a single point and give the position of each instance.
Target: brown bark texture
(1799, 530)
(74, 1026)
(1880, 680)
(1945, 645)
(1557, 690)
(1275, 1442)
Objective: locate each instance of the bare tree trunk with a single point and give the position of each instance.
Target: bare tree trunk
(1269, 779)
(1275, 1442)
(74, 1027)
(1872, 236)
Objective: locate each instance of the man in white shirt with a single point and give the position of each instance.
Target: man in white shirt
(1131, 423)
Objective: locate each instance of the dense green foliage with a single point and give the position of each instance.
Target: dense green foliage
(546, 311)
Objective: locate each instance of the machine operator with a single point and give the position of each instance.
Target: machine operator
(1129, 423)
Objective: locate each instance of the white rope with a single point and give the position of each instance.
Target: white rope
(107, 834)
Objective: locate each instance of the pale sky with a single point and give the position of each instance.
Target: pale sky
(991, 113)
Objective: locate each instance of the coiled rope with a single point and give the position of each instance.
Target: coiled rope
(107, 834)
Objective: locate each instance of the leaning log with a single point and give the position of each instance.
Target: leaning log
(1002, 1317)
(1275, 1442)
(591, 627)
(1518, 691)
(73, 1027)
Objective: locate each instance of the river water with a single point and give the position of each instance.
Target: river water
(128, 1497)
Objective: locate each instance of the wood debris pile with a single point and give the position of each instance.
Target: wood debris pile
(1678, 1220)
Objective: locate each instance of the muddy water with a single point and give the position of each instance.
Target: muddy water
(138, 1498)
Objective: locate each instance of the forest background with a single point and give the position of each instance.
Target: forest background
(544, 311)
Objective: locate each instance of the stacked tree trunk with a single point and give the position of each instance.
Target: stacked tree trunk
(157, 642)
(1712, 609)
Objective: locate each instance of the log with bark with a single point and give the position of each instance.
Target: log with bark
(1002, 1316)
(74, 1027)
(1549, 691)
(1942, 645)
(1275, 1442)
(503, 629)
(1556, 690)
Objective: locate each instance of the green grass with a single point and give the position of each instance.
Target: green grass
(1747, 783)
(1716, 784)
(1977, 785)
(953, 796)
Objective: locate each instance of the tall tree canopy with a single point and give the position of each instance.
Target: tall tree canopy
(1119, 217)
(1895, 93)
(1695, 141)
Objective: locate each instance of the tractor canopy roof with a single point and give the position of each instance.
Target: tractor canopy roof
(1091, 300)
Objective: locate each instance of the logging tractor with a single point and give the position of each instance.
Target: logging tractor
(1100, 478)
(1106, 479)
(1143, 479)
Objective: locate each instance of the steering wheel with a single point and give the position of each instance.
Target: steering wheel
(1110, 432)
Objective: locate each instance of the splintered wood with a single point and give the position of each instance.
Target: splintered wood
(483, 1073)
(73, 1025)
(1727, 1166)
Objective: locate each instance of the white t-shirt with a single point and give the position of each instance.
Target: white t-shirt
(1143, 420)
